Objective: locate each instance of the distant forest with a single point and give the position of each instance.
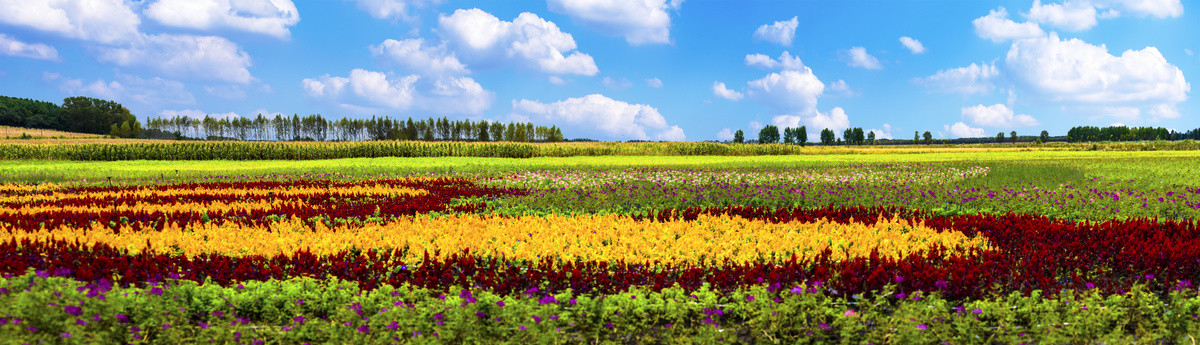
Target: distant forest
(76, 114)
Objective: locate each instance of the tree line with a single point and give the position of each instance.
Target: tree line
(317, 128)
(76, 114)
(769, 134)
(1122, 133)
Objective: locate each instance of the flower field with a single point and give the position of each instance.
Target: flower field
(960, 252)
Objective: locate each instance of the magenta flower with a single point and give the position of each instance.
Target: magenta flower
(922, 327)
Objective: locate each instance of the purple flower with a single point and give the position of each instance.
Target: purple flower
(749, 298)
(298, 319)
(203, 325)
(66, 335)
(166, 326)
(797, 290)
(73, 310)
(537, 319)
(824, 326)
(922, 326)
(608, 324)
(500, 303)
(548, 299)
(218, 314)
(522, 328)
(1089, 285)
(977, 311)
(364, 329)
(393, 326)
(467, 297)
(156, 291)
(122, 318)
(81, 322)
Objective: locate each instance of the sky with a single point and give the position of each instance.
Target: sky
(623, 69)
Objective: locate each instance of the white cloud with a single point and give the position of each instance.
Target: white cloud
(654, 83)
(269, 17)
(417, 57)
(961, 130)
(792, 92)
(395, 9)
(859, 57)
(104, 21)
(365, 90)
(1156, 8)
(12, 47)
(840, 87)
(616, 84)
(996, 116)
(725, 134)
(781, 32)
(965, 80)
(203, 57)
(125, 88)
(786, 61)
(1075, 71)
(1117, 124)
(484, 40)
(997, 27)
(885, 133)
(912, 44)
(835, 120)
(1072, 15)
(596, 114)
(720, 90)
(1189, 52)
(639, 21)
(1164, 111)
(556, 80)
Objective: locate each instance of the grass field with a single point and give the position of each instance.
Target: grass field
(969, 244)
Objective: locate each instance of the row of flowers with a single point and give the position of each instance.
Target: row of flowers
(1023, 253)
(256, 203)
(699, 240)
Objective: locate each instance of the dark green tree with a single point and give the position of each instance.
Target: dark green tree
(738, 137)
(802, 136)
(769, 134)
(90, 115)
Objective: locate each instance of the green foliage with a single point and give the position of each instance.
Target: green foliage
(90, 115)
(739, 137)
(769, 134)
(307, 310)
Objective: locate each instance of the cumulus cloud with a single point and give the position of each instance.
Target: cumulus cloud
(885, 133)
(1156, 8)
(781, 32)
(791, 92)
(1077, 15)
(654, 83)
(530, 41)
(556, 80)
(785, 61)
(835, 120)
(415, 56)
(365, 90)
(912, 44)
(725, 134)
(394, 9)
(996, 116)
(616, 84)
(203, 57)
(966, 80)
(858, 57)
(1075, 71)
(961, 130)
(103, 21)
(269, 17)
(720, 90)
(997, 27)
(639, 21)
(840, 87)
(1163, 111)
(596, 114)
(125, 88)
(12, 47)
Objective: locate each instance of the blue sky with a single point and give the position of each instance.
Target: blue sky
(617, 70)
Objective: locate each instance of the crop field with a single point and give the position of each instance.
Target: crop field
(963, 245)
